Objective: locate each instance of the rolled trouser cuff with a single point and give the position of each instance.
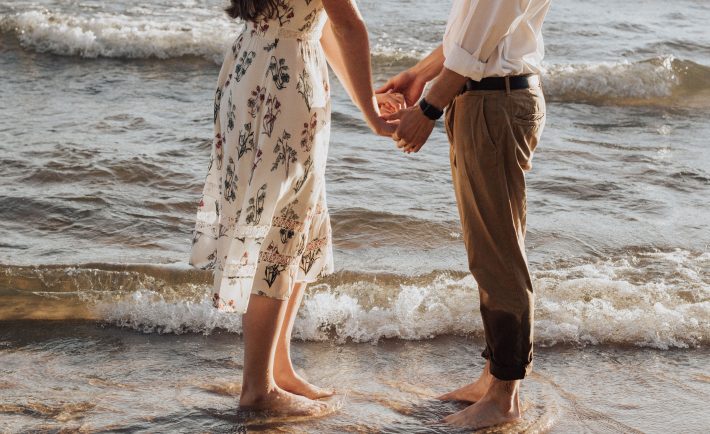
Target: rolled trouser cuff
(507, 373)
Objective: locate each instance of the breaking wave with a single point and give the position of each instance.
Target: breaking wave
(651, 299)
(652, 81)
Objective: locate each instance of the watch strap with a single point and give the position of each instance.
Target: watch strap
(429, 110)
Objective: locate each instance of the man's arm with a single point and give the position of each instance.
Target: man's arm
(411, 82)
(472, 37)
(447, 85)
(475, 33)
(414, 127)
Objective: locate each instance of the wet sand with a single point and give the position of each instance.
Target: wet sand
(88, 377)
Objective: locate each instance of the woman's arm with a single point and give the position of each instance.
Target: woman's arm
(345, 32)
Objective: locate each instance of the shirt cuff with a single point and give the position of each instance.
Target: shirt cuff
(464, 63)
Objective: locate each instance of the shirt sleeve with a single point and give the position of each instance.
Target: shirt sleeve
(475, 30)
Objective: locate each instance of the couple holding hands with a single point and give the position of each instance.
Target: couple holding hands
(263, 224)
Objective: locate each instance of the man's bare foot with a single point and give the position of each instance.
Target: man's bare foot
(499, 405)
(471, 392)
(282, 403)
(294, 383)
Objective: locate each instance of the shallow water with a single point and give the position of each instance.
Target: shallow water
(105, 127)
(81, 376)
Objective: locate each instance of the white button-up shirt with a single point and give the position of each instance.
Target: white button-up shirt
(495, 38)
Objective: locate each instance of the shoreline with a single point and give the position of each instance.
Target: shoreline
(123, 379)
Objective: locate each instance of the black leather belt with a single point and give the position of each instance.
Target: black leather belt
(499, 83)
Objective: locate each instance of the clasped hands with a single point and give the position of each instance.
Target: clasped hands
(397, 104)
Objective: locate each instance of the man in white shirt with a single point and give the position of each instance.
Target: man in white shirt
(486, 74)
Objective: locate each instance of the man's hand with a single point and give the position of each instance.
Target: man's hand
(414, 129)
(408, 83)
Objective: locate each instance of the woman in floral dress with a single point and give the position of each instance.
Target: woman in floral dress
(263, 224)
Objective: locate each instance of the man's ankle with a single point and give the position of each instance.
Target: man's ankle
(504, 393)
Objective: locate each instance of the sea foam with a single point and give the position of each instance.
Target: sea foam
(653, 299)
(120, 36)
(139, 37)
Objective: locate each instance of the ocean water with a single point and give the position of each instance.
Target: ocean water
(105, 128)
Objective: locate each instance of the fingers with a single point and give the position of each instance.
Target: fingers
(387, 110)
(399, 141)
(395, 98)
(393, 116)
(385, 87)
(413, 147)
(392, 100)
(388, 130)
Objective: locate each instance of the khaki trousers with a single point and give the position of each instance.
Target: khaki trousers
(493, 135)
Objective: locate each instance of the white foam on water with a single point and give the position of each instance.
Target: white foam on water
(659, 300)
(121, 36)
(208, 36)
(651, 79)
(149, 312)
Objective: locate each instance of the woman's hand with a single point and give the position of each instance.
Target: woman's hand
(390, 102)
(381, 127)
(383, 105)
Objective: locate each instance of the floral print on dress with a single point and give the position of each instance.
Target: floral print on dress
(305, 88)
(284, 12)
(308, 133)
(285, 154)
(273, 110)
(256, 100)
(230, 182)
(262, 224)
(231, 110)
(288, 221)
(217, 102)
(218, 154)
(237, 46)
(279, 72)
(302, 180)
(256, 206)
(246, 140)
(277, 263)
(244, 63)
(309, 20)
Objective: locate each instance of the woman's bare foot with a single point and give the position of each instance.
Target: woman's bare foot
(284, 375)
(294, 383)
(282, 403)
(499, 405)
(472, 392)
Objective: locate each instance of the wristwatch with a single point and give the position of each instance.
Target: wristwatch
(429, 110)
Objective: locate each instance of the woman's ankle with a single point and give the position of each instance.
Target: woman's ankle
(254, 393)
(283, 369)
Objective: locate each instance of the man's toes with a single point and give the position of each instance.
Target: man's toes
(449, 419)
(323, 407)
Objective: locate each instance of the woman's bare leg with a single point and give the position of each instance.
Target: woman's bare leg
(261, 325)
(284, 373)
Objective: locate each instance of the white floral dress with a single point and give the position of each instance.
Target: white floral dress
(262, 223)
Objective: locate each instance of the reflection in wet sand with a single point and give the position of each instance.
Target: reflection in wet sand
(79, 375)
